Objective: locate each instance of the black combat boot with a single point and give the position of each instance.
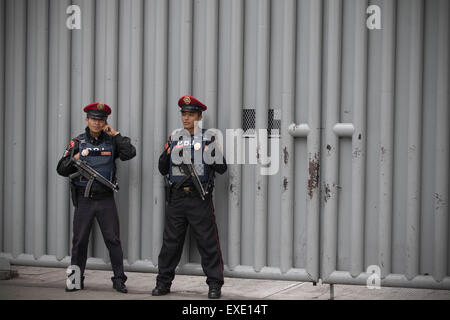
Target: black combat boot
(214, 292)
(120, 286)
(160, 290)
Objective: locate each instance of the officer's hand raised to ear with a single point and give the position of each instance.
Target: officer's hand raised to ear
(110, 130)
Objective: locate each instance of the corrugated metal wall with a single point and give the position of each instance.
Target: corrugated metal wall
(364, 136)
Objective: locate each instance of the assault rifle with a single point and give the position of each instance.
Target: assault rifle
(189, 170)
(90, 174)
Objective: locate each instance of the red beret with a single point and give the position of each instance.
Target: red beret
(188, 101)
(98, 110)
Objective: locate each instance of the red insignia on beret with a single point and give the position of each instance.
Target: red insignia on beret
(191, 101)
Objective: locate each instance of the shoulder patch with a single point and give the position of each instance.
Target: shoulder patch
(70, 145)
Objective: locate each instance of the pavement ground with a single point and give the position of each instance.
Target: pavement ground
(41, 283)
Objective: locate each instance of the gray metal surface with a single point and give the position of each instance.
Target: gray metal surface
(363, 149)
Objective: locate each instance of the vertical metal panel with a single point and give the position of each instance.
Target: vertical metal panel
(82, 91)
(387, 137)
(106, 54)
(313, 139)
(180, 69)
(205, 57)
(15, 85)
(275, 103)
(105, 37)
(359, 137)
(300, 149)
(36, 127)
(82, 66)
(441, 207)
(414, 137)
(400, 139)
(58, 127)
(261, 100)
(248, 99)
(2, 116)
(307, 156)
(204, 80)
(344, 170)
(130, 110)
(232, 96)
(287, 141)
(330, 146)
(160, 132)
(149, 131)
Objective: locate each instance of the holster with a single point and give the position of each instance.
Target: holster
(167, 189)
(74, 195)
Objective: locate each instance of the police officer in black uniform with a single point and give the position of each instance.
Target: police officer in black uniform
(100, 145)
(185, 205)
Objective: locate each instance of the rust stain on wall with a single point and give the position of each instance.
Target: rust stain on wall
(313, 181)
(286, 155)
(285, 184)
(327, 190)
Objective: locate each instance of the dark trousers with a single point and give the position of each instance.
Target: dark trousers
(105, 211)
(184, 210)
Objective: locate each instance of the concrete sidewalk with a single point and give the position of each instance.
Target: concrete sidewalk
(48, 283)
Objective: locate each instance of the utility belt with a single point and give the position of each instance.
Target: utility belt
(95, 193)
(189, 191)
(178, 189)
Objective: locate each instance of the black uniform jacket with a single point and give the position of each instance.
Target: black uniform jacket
(164, 163)
(123, 149)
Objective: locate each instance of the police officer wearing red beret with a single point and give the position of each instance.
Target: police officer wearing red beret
(185, 205)
(100, 145)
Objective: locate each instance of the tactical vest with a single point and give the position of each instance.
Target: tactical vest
(202, 169)
(100, 158)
